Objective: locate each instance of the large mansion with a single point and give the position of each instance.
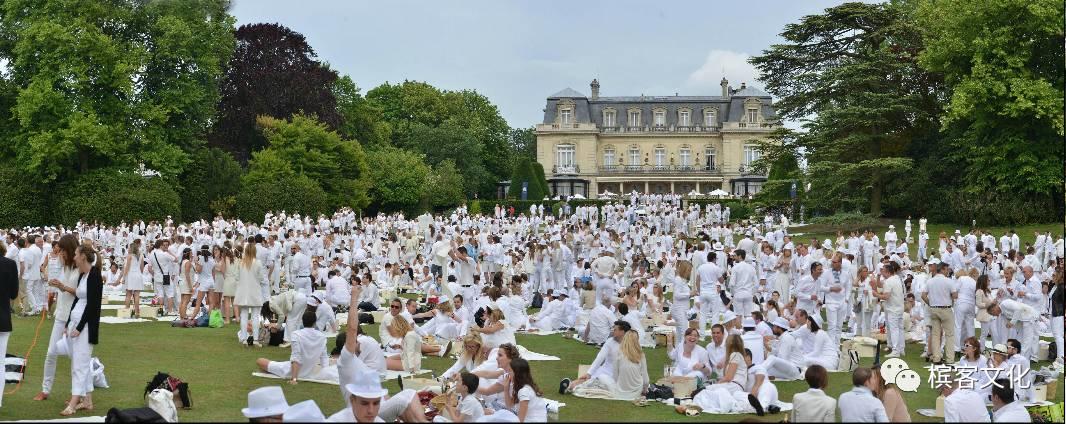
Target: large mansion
(653, 144)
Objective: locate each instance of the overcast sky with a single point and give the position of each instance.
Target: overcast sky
(519, 52)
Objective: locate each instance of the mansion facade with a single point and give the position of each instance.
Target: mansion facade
(654, 144)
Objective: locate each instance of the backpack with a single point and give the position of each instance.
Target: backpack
(162, 402)
(365, 318)
(216, 319)
(179, 388)
(656, 391)
(133, 415)
(538, 301)
(14, 367)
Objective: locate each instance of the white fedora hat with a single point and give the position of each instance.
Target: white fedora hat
(367, 385)
(304, 412)
(265, 402)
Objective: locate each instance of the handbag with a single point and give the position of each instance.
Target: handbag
(166, 278)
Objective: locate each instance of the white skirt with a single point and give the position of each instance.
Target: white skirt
(134, 281)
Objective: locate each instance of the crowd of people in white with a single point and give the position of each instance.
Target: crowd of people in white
(770, 305)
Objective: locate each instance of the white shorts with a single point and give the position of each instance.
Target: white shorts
(164, 291)
(280, 369)
(206, 286)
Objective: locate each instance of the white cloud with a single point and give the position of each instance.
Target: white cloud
(732, 65)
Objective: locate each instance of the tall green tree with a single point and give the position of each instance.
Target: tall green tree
(310, 149)
(851, 75)
(111, 83)
(1003, 61)
(447, 188)
(273, 72)
(523, 142)
(212, 174)
(400, 179)
(361, 120)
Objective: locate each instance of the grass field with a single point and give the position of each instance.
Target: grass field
(219, 373)
(822, 232)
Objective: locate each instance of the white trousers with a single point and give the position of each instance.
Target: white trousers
(964, 323)
(81, 370)
(604, 289)
(3, 353)
(248, 313)
(864, 324)
(679, 312)
(742, 304)
(51, 356)
(1028, 338)
(303, 285)
(294, 320)
(1057, 330)
(894, 328)
(781, 369)
(834, 317)
(35, 290)
(708, 310)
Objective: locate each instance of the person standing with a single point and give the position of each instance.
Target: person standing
(1057, 297)
(162, 264)
(708, 287)
(890, 291)
(9, 290)
(133, 277)
(248, 298)
(940, 295)
(68, 245)
(743, 279)
(83, 328)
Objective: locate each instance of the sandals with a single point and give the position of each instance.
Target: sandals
(68, 411)
(82, 405)
(41, 396)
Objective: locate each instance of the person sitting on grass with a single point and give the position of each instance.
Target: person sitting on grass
(308, 350)
(461, 406)
(629, 378)
(603, 366)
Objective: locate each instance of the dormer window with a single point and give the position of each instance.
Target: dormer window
(710, 118)
(753, 115)
(609, 118)
(660, 118)
(684, 118)
(566, 116)
(634, 117)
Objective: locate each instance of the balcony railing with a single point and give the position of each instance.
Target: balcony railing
(566, 169)
(660, 169)
(660, 129)
(751, 125)
(746, 170)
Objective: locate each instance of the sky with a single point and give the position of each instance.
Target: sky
(517, 53)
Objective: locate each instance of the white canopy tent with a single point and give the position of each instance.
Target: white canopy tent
(718, 192)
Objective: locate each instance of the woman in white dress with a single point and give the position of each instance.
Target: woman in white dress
(689, 358)
(186, 281)
(682, 292)
(782, 278)
(133, 276)
(248, 298)
(231, 272)
(204, 267)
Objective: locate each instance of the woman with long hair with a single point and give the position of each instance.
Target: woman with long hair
(185, 282)
(248, 298)
(825, 352)
(689, 358)
(983, 299)
(496, 331)
(64, 284)
(231, 274)
(972, 358)
(204, 266)
(134, 277)
(407, 345)
(218, 274)
(522, 396)
(682, 291)
(783, 277)
(892, 398)
(83, 328)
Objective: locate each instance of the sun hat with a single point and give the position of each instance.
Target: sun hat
(304, 412)
(747, 322)
(367, 385)
(718, 246)
(782, 322)
(1000, 348)
(265, 402)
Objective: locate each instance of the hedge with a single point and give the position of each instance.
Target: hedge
(291, 193)
(738, 209)
(25, 201)
(112, 195)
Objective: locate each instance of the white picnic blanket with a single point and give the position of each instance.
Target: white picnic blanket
(328, 375)
(92, 419)
(117, 320)
(539, 333)
(785, 407)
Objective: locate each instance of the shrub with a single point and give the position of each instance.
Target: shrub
(112, 195)
(25, 201)
(841, 219)
(288, 192)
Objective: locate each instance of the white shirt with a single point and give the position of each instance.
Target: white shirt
(894, 303)
(1013, 412)
(31, 258)
(860, 406)
(940, 289)
(965, 406)
(709, 274)
(743, 280)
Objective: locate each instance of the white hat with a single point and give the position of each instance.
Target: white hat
(265, 402)
(891, 227)
(728, 316)
(718, 246)
(1000, 349)
(827, 245)
(747, 322)
(789, 246)
(783, 323)
(367, 385)
(304, 412)
(932, 261)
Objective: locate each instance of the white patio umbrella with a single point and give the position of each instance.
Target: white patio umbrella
(555, 198)
(718, 192)
(578, 196)
(694, 193)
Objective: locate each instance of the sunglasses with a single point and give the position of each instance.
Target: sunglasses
(394, 307)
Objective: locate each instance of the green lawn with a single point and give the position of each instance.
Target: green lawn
(219, 373)
(822, 232)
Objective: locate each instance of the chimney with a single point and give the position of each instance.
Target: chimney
(743, 85)
(595, 89)
(725, 87)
